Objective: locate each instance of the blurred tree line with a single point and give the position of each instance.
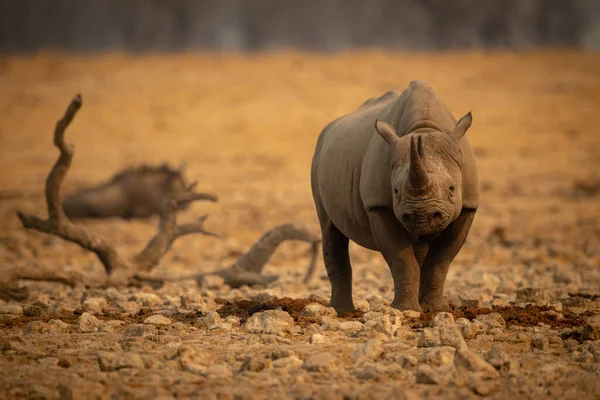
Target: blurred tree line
(170, 25)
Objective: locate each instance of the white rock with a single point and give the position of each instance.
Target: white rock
(350, 326)
(288, 362)
(330, 324)
(211, 319)
(11, 309)
(492, 320)
(113, 361)
(428, 375)
(450, 335)
(95, 305)
(270, 321)
(443, 318)
(158, 320)
(471, 361)
(322, 362)
(87, 323)
(317, 338)
(317, 310)
(411, 315)
(148, 300)
(370, 350)
(430, 337)
(438, 356)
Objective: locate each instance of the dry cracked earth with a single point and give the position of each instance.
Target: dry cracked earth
(525, 289)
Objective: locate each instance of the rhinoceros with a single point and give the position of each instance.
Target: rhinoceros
(136, 192)
(399, 177)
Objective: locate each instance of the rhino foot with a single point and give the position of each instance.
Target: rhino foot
(437, 305)
(404, 306)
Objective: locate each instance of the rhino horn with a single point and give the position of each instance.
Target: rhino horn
(418, 176)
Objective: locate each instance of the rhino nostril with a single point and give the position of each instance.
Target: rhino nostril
(407, 217)
(436, 216)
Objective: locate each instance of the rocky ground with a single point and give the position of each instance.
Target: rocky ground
(525, 289)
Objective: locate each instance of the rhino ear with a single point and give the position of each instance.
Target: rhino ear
(387, 132)
(462, 126)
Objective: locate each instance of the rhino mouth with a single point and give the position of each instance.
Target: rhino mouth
(421, 226)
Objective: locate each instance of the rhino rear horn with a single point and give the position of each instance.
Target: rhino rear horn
(418, 175)
(387, 132)
(462, 126)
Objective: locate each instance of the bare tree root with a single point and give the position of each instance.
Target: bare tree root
(247, 270)
(119, 271)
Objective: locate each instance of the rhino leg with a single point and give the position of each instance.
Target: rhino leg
(397, 249)
(337, 263)
(435, 265)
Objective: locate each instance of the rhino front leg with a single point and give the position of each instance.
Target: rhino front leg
(435, 265)
(337, 263)
(397, 249)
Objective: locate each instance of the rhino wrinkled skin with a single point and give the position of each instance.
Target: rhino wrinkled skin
(396, 176)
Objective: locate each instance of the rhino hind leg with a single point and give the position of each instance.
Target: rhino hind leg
(337, 263)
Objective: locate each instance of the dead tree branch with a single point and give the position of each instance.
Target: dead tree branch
(119, 270)
(247, 270)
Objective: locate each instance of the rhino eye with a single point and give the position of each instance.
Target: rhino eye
(396, 191)
(451, 190)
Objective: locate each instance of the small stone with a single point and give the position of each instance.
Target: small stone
(211, 319)
(157, 320)
(317, 338)
(322, 362)
(110, 326)
(472, 298)
(318, 310)
(35, 310)
(468, 329)
(379, 322)
(95, 305)
(139, 330)
(362, 305)
(428, 375)
(87, 323)
(591, 329)
(218, 371)
(371, 350)
(113, 361)
(350, 326)
(270, 321)
(129, 307)
(492, 320)
(11, 309)
(438, 356)
(443, 318)
(288, 362)
(499, 360)
(540, 341)
(430, 337)
(256, 364)
(148, 300)
(411, 315)
(471, 361)
(61, 325)
(330, 324)
(450, 335)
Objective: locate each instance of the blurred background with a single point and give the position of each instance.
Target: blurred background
(240, 89)
(232, 25)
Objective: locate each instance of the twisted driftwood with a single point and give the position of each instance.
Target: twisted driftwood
(121, 271)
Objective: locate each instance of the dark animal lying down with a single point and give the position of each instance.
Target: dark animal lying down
(133, 193)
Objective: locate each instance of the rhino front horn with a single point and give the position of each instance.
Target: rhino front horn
(418, 176)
